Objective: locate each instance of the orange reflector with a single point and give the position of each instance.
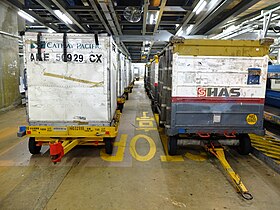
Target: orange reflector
(28, 132)
(107, 132)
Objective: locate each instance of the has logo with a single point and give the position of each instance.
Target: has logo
(218, 92)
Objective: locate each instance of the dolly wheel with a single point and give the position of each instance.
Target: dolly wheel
(244, 147)
(109, 145)
(172, 145)
(33, 148)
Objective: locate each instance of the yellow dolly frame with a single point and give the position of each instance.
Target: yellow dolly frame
(62, 139)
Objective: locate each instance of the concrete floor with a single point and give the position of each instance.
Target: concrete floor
(138, 175)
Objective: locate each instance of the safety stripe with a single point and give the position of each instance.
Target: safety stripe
(217, 100)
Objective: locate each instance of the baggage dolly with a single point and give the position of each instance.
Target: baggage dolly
(62, 139)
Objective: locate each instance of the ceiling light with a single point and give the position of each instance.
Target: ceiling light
(180, 31)
(63, 17)
(189, 29)
(156, 18)
(212, 3)
(151, 19)
(177, 25)
(50, 30)
(230, 29)
(26, 16)
(200, 6)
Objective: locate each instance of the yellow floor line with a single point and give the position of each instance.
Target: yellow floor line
(6, 132)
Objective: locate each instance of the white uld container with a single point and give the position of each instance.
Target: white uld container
(81, 90)
(122, 78)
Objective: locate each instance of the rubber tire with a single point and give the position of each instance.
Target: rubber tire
(108, 145)
(245, 146)
(172, 145)
(33, 148)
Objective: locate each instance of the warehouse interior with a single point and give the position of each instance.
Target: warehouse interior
(139, 104)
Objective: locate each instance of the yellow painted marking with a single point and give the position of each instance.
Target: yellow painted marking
(120, 151)
(146, 129)
(6, 132)
(163, 138)
(146, 124)
(268, 145)
(134, 153)
(145, 114)
(168, 158)
(144, 117)
(202, 156)
(94, 84)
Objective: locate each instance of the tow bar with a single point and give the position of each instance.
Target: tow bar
(218, 152)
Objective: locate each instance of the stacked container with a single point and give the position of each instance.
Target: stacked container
(71, 79)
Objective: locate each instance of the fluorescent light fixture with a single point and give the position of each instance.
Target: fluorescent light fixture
(180, 31)
(230, 29)
(212, 3)
(50, 30)
(156, 18)
(63, 17)
(177, 25)
(151, 19)
(26, 16)
(200, 6)
(189, 29)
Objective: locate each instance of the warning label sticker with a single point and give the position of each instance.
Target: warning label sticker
(251, 119)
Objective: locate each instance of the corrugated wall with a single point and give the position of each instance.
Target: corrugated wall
(9, 59)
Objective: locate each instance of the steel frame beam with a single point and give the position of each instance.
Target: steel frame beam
(71, 16)
(238, 9)
(44, 4)
(96, 10)
(210, 15)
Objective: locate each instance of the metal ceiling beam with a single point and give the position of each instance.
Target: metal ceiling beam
(112, 25)
(107, 14)
(142, 38)
(63, 9)
(188, 17)
(122, 8)
(162, 5)
(96, 10)
(112, 10)
(18, 5)
(238, 9)
(145, 12)
(209, 15)
(45, 5)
